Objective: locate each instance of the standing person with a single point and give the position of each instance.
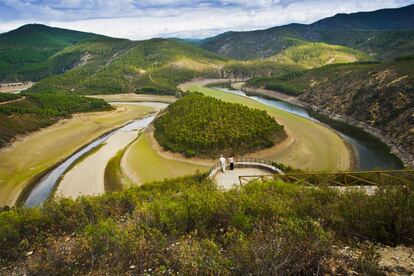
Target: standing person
(231, 161)
(222, 163)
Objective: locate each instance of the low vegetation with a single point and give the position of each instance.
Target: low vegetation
(121, 66)
(114, 179)
(6, 97)
(39, 110)
(306, 55)
(198, 125)
(297, 82)
(189, 226)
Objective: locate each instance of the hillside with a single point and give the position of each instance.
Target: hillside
(27, 52)
(34, 111)
(150, 66)
(369, 32)
(310, 55)
(381, 95)
(91, 64)
(189, 226)
(159, 65)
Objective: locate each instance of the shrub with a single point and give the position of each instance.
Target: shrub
(287, 247)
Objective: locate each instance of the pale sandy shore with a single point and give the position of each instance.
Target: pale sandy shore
(87, 177)
(132, 97)
(30, 155)
(15, 87)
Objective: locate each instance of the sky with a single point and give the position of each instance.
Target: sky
(136, 19)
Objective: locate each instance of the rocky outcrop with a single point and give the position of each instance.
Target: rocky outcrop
(380, 100)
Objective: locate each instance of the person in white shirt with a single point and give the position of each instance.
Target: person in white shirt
(231, 161)
(222, 163)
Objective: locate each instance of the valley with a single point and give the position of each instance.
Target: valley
(26, 159)
(311, 140)
(284, 150)
(385, 89)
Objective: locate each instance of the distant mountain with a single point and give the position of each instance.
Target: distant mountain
(384, 34)
(191, 41)
(27, 51)
(380, 20)
(85, 63)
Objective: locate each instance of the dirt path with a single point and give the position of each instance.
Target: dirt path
(13, 101)
(15, 87)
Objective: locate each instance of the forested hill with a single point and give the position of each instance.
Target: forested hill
(85, 63)
(150, 66)
(28, 52)
(385, 34)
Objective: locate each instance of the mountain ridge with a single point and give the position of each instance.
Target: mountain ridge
(263, 43)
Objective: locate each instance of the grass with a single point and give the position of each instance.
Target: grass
(316, 147)
(114, 179)
(30, 156)
(148, 165)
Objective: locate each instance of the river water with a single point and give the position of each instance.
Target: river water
(370, 152)
(48, 182)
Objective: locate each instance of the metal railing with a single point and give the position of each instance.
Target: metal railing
(358, 178)
(244, 161)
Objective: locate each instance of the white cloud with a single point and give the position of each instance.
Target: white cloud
(144, 19)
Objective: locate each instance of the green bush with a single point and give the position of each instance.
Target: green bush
(5, 97)
(288, 247)
(197, 125)
(189, 226)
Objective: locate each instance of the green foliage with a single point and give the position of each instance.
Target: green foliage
(197, 125)
(290, 246)
(27, 52)
(5, 97)
(310, 54)
(113, 173)
(120, 66)
(189, 226)
(39, 110)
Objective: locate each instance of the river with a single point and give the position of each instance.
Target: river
(370, 152)
(46, 185)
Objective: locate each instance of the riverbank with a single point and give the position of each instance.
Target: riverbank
(406, 158)
(31, 155)
(144, 162)
(87, 177)
(315, 147)
(132, 97)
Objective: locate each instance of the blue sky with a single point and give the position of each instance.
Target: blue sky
(144, 19)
